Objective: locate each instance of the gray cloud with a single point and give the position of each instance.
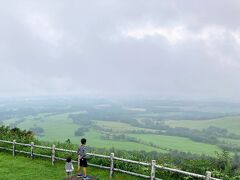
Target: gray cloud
(180, 48)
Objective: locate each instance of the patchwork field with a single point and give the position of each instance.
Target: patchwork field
(232, 141)
(232, 124)
(179, 143)
(60, 128)
(120, 127)
(150, 125)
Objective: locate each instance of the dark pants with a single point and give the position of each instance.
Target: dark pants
(83, 162)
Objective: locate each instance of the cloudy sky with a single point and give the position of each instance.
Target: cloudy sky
(120, 47)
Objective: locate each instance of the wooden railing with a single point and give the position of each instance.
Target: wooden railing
(111, 157)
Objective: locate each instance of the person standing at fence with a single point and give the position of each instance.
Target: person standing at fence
(69, 167)
(82, 159)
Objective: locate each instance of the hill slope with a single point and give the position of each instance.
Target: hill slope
(20, 168)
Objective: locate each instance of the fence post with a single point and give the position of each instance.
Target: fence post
(14, 147)
(111, 165)
(53, 154)
(31, 152)
(208, 175)
(153, 170)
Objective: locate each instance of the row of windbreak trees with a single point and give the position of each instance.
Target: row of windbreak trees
(223, 166)
(209, 135)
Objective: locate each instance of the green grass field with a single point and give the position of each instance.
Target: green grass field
(232, 124)
(233, 141)
(53, 133)
(94, 140)
(120, 127)
(60, 128)
(23, 168)
(178, 143)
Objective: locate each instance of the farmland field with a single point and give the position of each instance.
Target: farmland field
(179, 143)
(232, 124)
(232, 141)
(162, 126)
(53, 131)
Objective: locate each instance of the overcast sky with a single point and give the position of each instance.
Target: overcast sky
(120, 47)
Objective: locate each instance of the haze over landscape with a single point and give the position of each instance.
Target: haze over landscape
(143, 79)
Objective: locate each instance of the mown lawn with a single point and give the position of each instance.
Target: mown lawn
(23, 168)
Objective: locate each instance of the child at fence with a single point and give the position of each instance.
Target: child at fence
(82, 159)
(69, 167)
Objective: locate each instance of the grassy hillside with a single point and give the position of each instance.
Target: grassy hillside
(22, 168)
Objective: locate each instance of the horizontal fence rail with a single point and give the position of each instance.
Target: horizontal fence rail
(113, 160)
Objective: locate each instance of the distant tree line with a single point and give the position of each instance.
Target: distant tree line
(81, 131)
(123, 137)
(80, 119)
(208, 135)
(39, 131)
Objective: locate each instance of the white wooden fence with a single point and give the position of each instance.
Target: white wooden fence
(111, 157)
